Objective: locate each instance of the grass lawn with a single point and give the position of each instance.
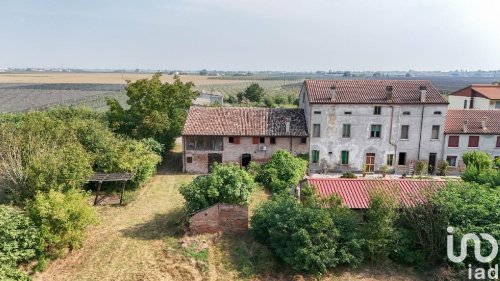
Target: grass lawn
(142, 241)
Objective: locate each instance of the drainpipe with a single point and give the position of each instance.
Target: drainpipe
(420, 138)
(183, 154)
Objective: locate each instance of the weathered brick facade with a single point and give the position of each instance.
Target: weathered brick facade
(220, 218)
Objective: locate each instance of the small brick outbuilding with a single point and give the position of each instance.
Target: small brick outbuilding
(220, 218)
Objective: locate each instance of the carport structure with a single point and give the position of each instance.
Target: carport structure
(99, 178)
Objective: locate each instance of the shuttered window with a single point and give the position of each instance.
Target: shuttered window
(435, 132)
(498, 141)
(345, 157)
(473, 141)
(452, 160)
(316, 130)
(346, 131)
(453, 141)
(255, 140)
(315, 156)
(405, 129)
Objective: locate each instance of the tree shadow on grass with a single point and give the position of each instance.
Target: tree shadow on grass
(162, 225)
(172, 163)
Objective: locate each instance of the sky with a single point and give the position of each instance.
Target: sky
(281, 35)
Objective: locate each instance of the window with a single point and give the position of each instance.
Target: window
(315, 156)
(406, 113)
(497, 105)
(498, 142)
(346, 130)
(435, 132)
(303, 97)
(405, 130)
(453, 141)
(402, 158)
(465, 104)
(255, 140)
(347, 112)
(390, 159)
(272, 140)
(471, 104)
(204, 143)
(473, 141)
(303, 140)
(452, 160)
(235, 140)
(316, 130)
(345, 157)
(375, 131)
(377, 110)
(262, 140)
(317, 112)
(437, 112)
(189, 159)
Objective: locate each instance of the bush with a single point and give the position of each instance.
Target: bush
(480, 160)
(62, 219)
(443, 167)
(227, 183)
(19, 242)
(282, 172)
(379, 224)
(349, 175)
(420, 167)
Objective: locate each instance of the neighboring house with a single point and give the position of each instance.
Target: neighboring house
(470, 129)
(372, 122)
(240, 135)
(355, 193)
(476, 96)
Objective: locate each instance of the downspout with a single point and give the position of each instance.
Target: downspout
(390, 135)
(184, 154)
(420, 138)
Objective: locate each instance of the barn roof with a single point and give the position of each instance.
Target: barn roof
(244, 121)
(355, 192)
(371, 91)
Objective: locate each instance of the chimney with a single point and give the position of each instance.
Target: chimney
(423, 92)
(465, 126)
(287, 126)
(483, 123)
(333, 91)
(388, 90)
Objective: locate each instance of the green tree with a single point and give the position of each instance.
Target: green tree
(62, 219)
(282, 171)
(254, 93)
(156, 110)
(227, 183)
(478, 159)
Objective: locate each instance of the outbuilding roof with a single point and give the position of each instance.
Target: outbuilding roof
(355, 193)
(488, 91)
(372, 91)
(245, 121)
(473, 118)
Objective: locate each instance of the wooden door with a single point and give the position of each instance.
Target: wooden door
(370, 162)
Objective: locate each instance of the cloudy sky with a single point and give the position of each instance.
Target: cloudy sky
(289, 35)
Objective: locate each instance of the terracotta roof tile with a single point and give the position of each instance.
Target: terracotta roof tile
(244, 121)
(488, 91)
(371, 91)
(355, 192)
(455, 119)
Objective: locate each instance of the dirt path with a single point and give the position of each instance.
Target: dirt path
(128, 243)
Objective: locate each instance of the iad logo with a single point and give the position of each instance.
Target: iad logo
(478, 273)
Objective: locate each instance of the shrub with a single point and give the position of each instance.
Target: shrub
(420, 168)
(480, 160)
(62, 219)
(282, 172)
(384, 169)
(442, 167)
(379, 224)
(349, 175)
(227, 183)
(11, 273)
(19, 238)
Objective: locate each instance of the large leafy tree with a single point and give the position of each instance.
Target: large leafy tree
(282, 171)
(156, 110)
(254, 93)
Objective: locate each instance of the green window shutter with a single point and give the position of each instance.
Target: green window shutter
(315, 156)
(345, 157)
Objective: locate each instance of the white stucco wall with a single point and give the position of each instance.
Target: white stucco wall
(487, 143)
(331, 144)
(457, 102)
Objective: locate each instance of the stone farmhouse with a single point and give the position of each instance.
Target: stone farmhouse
(470, 129)
(374, 123)
(240, 135)
(476, 96)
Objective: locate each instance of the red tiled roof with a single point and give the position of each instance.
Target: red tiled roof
(244, 121)
(455, 121)
(491, 92)
(355, 192)
(372, 91)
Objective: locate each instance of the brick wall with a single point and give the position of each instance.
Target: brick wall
(220, 217)
(232, 152)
